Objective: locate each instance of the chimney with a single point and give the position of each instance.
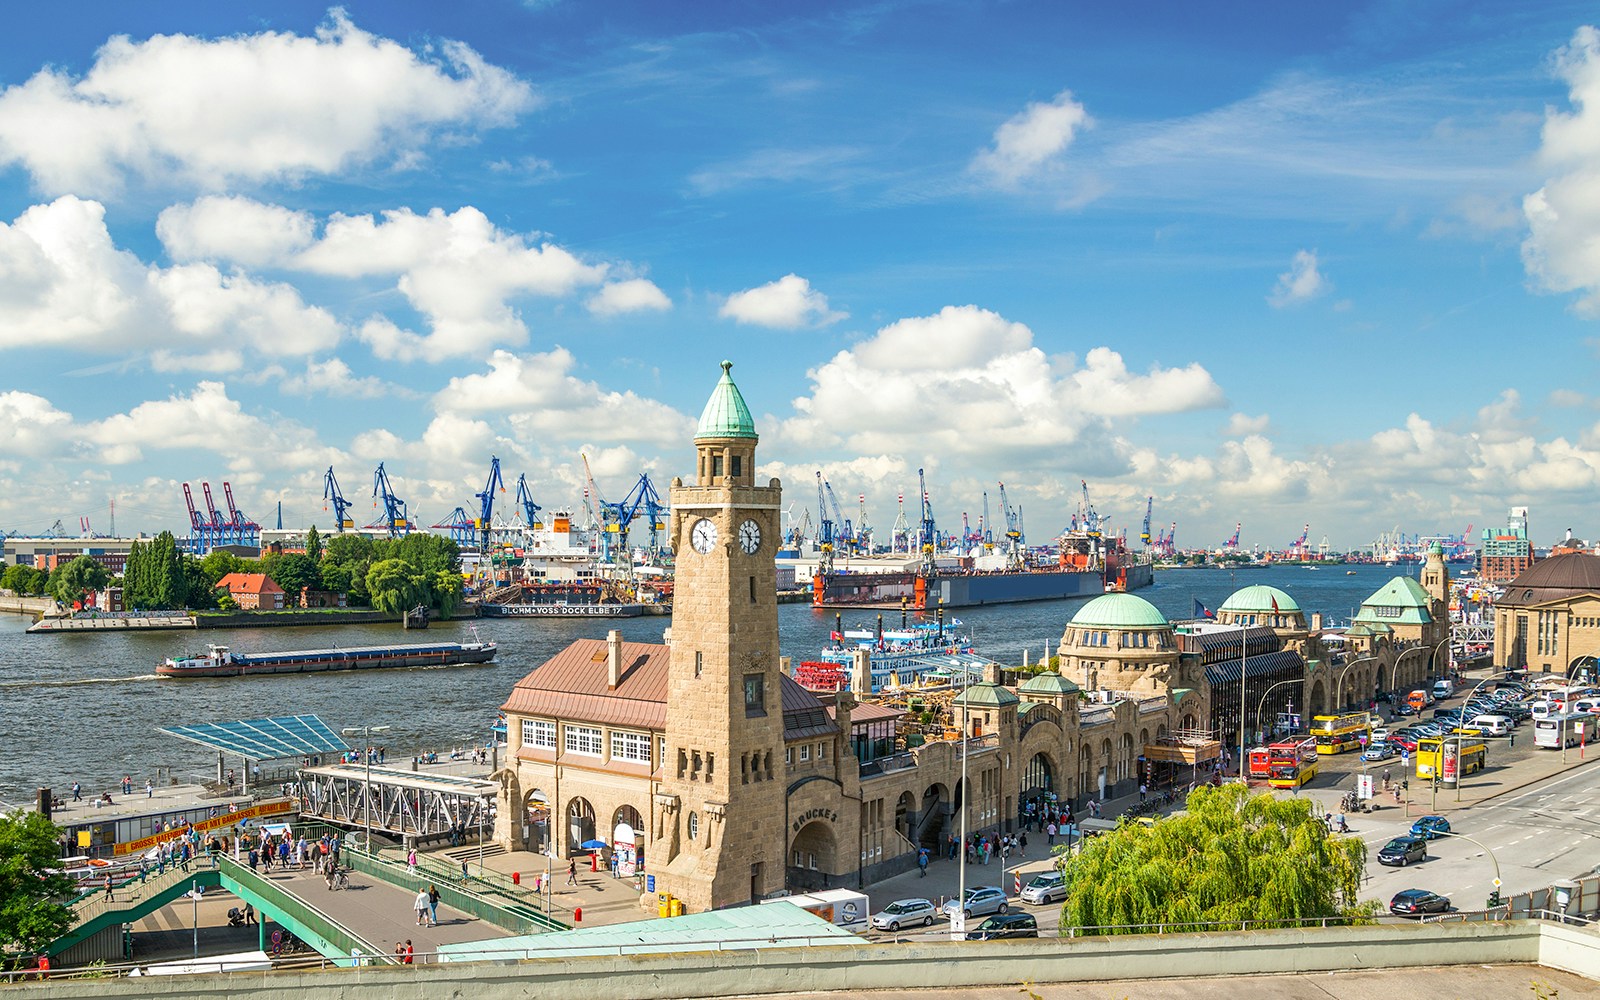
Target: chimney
(613, 659)
(786, 666)
(1316, 621)
(991, 672)
(861, 673)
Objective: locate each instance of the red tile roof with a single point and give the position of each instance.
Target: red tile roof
(249, 583)
(572, 685)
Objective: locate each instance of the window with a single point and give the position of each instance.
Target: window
(805, 753)
(737, 463)
(538, 734)
(822, 751)
(694, 825)
(699, 662)
(788, 756)
(752, 590)
(584, 740)
(661, 749)
(633, 747)
(716, 466)
(755, 694)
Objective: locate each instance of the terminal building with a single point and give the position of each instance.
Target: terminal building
(702, 762)
(1548, 620)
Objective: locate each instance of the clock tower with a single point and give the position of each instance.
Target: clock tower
(720, 806)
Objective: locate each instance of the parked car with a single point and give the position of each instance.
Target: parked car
(1005, 925)
(1431, 827)
(904, 913)
(1046, 887)
(1416, 902)
(1405, 741)
(1404, 708)
(1381, 734)
(1401, 851)
(1494, 725)
(1380, 751)
(979, 901)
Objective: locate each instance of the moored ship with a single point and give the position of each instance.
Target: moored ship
(220, 661)
(903, 657)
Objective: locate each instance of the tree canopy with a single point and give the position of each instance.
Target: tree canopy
(33, 890)
(24, 580)
(72, 580)
(158, 576)
(1231, 857)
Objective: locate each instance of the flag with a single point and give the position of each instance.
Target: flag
(1274, 605)
(836, 636)
(1201, 611)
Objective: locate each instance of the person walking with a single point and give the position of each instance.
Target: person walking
(249, 913)
(77, 792)
(149, 789)
(433, 905)
(1050, 834)
(1022, 843)
(464, 873)
(420, 904)
(109, 897)
(411, 861)
(572, 872)
(922, 861)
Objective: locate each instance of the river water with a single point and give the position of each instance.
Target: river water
(87, 707)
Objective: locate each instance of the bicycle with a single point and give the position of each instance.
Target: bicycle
(339, 879)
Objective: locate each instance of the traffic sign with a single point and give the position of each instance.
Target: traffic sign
(1497, 883)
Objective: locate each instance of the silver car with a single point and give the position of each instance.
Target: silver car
(904, 913)
(1046, 887)
(979, 902)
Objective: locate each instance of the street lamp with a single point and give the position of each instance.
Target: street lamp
(1492, 859)
(366, 787)
(1243, 632)
(958, 919)
(1261, 706)
(1338, 680)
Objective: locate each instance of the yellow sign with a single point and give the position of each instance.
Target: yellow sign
(83, 838)
(273, 808)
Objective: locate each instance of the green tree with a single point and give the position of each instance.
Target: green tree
(345, 561)
(448, 592)
(200, 591)
(395, 586)
(294, 573)
(24, 580)
(32, 887)
(314, 545)
(1231, 857)
(78, 577)
(218, 563)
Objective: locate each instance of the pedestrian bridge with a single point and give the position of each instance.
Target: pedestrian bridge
(397, 802)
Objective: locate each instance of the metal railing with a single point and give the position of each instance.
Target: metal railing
(287, 904)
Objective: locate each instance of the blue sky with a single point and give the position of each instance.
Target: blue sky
(1263, 262)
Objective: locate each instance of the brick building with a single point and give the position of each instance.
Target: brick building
(254, 591)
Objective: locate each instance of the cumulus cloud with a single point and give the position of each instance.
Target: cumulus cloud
(1563, 217)
(64, 282)
(543, 399)
(31, 425)
(1240, 424)
(786, 304)
(1032, 142)
(234, 228)
(926, 385)
(248, 108)
(1301, 283)
(634, 295)
(333, 378)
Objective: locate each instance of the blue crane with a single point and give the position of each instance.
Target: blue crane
(642, 498)
(844, 533)
(1144, 533)
(985, 526)
(926, 528)
(530, 509)
(461, 528)
(341, 506)
(486, 503)
(394, 509)
(600, 513)
(1014, 538)
(825, 531)
(1088, 517)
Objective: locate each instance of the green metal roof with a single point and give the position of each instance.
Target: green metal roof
(725, 415)
(986, 695)
(1048, 682)
(1404, 603)
(1120, 611)
(1259, 598)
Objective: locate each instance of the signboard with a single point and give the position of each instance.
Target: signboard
(1451, 760)
(1364, 787)
(275, 807)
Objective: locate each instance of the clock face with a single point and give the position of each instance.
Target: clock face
(703, 536)
(749, 537)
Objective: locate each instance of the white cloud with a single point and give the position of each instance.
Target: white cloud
(268, 106)
(1033, 141)
(786, 304)
(63, 282)
(334, 378)
(207, 420)
(1301, 283)
(966, 382)
(1240, 425)
(634, 295)
(545, 401)
(1561, 252)
(234, 228)
(31, 425)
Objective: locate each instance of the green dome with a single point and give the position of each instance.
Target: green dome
(725, 415)
(1260, 598)
(1120, 611)
(1048, 682)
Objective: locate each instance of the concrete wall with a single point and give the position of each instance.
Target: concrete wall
(929, 965)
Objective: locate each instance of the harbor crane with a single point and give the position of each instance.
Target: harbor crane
(1298, 546)
(594, 504)
(486, 503)
(986, 527)
(341, 506)
(844, 535)
(825, 531)
(394, 515)
(643, 497)
(900, 534)
(1233, 542)
(1088, 518)
(1144, 533)
(1014, 539)
(927, 531)
(461, 528)
(530, 509)
(863, 526)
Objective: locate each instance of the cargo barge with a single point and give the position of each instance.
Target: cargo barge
(220, 661)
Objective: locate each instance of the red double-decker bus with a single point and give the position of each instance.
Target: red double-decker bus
(1292, 763)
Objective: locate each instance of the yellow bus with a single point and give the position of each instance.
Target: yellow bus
(1450, 757)
(1338, 733)
(1292, 763)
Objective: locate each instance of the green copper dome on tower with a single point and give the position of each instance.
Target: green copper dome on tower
(725, 415)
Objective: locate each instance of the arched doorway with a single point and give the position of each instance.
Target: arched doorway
(1382, 683)
(580, 824)
(811, 856)
(536, 822)
(1319, 698)
(1085, 769)
(905, 816)
(933, 818)
(1584, 669)
(1103, 777)
(1039, 776)
(627, 841)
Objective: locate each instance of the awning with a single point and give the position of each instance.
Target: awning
(265, 739)
(1283, 661)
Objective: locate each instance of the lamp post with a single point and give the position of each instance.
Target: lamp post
(1261, 706)
(1338, 680)
(958, 919)
(1492, 859)
(1243, 632)
(194, 893)
(366, 787)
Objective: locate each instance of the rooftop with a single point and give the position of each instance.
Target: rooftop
(1260, 598)
(1120, 611)
(1554, 578)
(725, 415)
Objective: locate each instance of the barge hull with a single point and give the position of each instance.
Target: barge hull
(562, 610)
(245, 668)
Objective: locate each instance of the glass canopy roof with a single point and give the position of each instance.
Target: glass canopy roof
(265, 739)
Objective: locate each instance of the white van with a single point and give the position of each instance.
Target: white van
(1540, 709)
(1493, 725)
(1442, 688)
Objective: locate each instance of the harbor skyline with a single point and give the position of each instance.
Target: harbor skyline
(1266, 265)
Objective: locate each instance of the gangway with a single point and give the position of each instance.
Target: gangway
(403, 803)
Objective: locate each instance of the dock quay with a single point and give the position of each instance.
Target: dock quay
(111, 622)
